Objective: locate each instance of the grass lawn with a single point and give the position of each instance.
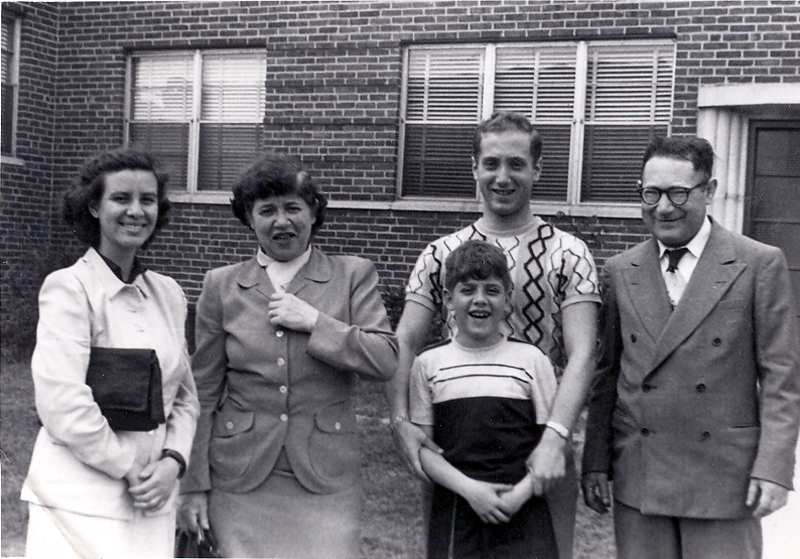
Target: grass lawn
(392, 525)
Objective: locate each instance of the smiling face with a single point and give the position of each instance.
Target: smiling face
(127, 212)
(505, 172)
(479, 308)
(282, 225)
(671, 224)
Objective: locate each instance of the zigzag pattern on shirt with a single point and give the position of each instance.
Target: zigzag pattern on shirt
(534, 270)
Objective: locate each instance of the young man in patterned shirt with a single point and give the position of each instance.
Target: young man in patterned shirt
(554, 306)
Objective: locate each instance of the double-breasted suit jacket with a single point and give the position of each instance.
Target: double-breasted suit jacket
(690, 404)
(264, 388)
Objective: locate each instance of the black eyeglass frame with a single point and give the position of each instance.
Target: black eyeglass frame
(681, 192)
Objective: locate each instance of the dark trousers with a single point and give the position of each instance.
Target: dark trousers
(455, 530)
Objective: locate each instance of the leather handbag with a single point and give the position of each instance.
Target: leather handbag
(126, 384)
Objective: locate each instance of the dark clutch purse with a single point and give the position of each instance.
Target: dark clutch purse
(126, 384)
(189, 544)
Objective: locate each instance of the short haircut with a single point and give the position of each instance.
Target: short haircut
(507, 122)
(276, 175)
(690, 148)
(89, 185)
(476, 260)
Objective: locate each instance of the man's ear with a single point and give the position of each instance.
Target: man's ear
(711, 188)
(93, 209)
(474, 168)
(537, 169)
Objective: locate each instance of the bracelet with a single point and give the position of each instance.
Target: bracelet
(562, 431)
(175, 455)
(397, 420)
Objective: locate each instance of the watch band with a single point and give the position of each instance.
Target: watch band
(175, 455)
(558, 428)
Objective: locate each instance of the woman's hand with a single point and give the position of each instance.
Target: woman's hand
(193, 512)
(291, 312)
(153, 485)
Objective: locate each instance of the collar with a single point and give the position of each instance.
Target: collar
(137, 269)
(110, 281)
(696, 245)
(534, 222)
(265, 260)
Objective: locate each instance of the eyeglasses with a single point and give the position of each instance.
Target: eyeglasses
(678, 195)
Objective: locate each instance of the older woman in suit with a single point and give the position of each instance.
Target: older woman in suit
(281, 339)
(93, 490)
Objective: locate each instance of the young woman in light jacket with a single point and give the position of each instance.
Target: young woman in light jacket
(94, 492)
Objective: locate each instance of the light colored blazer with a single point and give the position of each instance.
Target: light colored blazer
(263, 389)
(690, 404)
(78, 462)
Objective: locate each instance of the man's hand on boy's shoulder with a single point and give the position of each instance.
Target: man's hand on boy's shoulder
(548, 462)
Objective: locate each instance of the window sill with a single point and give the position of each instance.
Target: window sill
(10, 160)
(618, 210)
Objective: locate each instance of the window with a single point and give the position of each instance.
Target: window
(596, 105)
(200, 112)
(10, 77)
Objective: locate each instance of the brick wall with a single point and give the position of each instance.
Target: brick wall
(334, 79)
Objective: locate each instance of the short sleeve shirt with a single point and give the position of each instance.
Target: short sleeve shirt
(551, 270)
(487, 406)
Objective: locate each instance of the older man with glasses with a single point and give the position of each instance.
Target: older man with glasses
(696, 406)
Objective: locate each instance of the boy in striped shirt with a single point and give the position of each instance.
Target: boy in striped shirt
(485, 399)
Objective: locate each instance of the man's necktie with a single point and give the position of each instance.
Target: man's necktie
(674, 280)
(674, 256)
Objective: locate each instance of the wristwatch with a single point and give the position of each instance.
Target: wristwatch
(397, 420)
(175, 455)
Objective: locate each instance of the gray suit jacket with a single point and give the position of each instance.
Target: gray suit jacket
(690, 404)
(263, 388)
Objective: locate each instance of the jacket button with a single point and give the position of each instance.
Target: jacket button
(633, 338)
(700, 388)
(279, 333)
(645, 432)
(229, 425)
(284, 417)
(337, 426)
(716, 342)
(705, 435)
(283, 389)
(281, 361)
(646, 388)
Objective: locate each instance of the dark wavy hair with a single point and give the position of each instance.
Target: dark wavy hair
(89, 184)
(695, 150)
(504, 122)
(476, 260)
(276, 175)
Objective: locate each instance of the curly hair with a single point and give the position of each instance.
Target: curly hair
(507, 122)
(89, 184)
(695, 150)
(476, 260)
(276, 175)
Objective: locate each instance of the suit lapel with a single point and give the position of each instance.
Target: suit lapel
(317, 270)
(253, 275)
(646, 289)
(716, 271)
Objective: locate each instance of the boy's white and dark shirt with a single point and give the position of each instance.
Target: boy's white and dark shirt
(551, 269)
(487, 406)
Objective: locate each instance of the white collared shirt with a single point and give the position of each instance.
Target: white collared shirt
(689, 261)
(281, 273)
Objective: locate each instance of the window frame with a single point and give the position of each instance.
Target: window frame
(11, 157)
(572, 205)
(191, 193)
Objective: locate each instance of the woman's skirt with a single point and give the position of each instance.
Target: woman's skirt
(58, 533)
(281, 518)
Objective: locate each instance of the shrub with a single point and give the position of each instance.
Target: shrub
(20, 282)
